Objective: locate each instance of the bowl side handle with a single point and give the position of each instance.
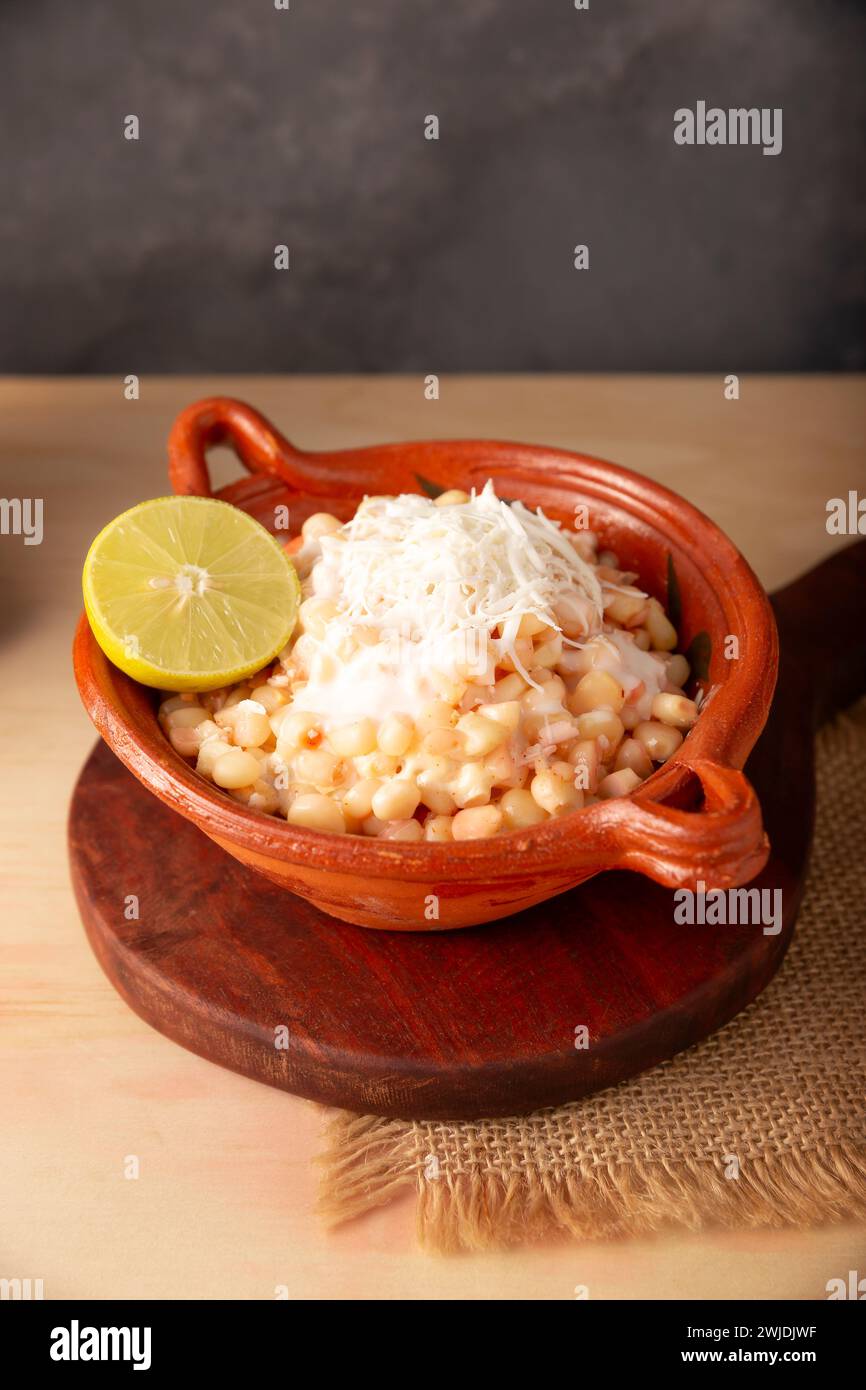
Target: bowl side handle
(259, 446)
(721, 845)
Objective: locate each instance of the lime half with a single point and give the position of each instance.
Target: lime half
(188, 593)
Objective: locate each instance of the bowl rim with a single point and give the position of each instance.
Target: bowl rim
(118, 706)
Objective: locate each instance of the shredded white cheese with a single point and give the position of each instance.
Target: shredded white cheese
(433, 573)
(441, 592)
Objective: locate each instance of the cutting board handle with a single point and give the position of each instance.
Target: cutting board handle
(822, 626)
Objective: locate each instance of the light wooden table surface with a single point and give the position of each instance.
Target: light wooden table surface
(223, 1206)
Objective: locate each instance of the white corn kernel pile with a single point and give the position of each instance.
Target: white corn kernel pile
(460, 668)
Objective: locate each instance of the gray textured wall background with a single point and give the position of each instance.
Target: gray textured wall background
(260, 127)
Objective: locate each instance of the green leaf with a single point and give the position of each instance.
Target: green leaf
(431, 489)
(674, 603)
(698, 655)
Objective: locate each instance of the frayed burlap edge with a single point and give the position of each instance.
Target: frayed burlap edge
(367, 1161)
(606, 1167)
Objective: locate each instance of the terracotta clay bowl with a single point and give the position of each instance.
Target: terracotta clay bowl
(696, 819)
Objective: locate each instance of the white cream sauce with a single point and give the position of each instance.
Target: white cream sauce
(622, 658)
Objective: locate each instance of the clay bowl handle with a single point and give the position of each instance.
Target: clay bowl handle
(260, 447)
(722, 844)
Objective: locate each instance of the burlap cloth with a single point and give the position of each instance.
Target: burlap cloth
(780, 1090)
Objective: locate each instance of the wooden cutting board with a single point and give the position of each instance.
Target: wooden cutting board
(460, 1024)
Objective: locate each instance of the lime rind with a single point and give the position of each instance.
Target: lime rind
(237, 621)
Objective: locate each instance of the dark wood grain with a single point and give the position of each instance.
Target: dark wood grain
(477, 1022)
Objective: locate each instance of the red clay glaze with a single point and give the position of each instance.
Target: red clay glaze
(695, 819)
